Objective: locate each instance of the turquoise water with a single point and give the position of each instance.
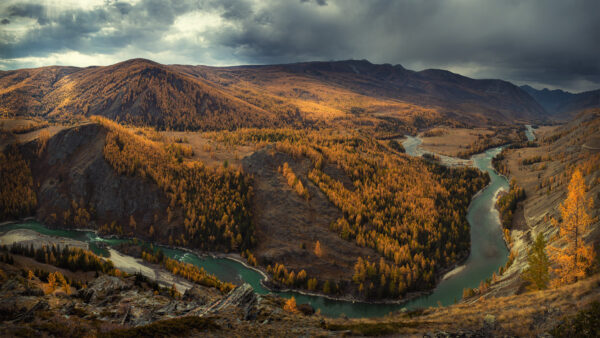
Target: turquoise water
(488, 253)
(529, 132)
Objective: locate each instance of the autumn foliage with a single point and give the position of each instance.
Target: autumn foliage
(507, 204)
(290, 305)
(413, 213)
(17, 195)
(215, 202)
(293, 181)
(575, 257)
(186, 270)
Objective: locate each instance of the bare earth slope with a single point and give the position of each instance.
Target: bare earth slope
(288, 226)
(73, 179)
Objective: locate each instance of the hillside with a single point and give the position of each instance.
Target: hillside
(543, 171)
(340, 191)
(139, 307)
(384, 98)
(559, 102)
(135, 91)
(381, 90)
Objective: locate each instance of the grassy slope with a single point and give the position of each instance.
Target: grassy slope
(561, 149)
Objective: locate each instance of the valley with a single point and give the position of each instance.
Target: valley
(376, 209)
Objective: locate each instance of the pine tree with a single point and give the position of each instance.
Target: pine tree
(537, 273)
(575, 257)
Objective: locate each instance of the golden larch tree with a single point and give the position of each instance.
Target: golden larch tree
(290, 305)
(318, 251)
(575, 257)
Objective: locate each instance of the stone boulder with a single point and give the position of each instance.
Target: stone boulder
(306, 309)
(243, 298)
(195, 294)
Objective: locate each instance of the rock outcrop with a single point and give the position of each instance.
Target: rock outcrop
(71, 175)
(101, 287)
(243, 299)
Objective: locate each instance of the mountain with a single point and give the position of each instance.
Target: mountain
(557, 101)
(137, 91)
(357, 93)
(383, 90)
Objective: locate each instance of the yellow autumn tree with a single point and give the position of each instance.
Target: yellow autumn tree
(573, 259)
(318, 251)
(290, 305)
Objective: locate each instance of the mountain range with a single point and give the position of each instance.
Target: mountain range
(353, 92)
(557, 101)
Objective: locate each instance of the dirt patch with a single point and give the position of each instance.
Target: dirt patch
(450, 141)
(134, 265)
(288, 226)
(8, 126)
(27, 237)
(211, 152)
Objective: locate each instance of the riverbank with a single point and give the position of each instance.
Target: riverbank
(125, 263)
(27, 237)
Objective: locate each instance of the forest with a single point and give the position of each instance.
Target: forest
(185, 270)
(507, 203)
(17, 194)
(410, 211)
(501, 136)
(74, 259)
(215, 202)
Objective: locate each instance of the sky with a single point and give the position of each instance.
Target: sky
(543, 43)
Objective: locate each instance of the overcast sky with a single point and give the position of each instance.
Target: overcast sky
(544, 43)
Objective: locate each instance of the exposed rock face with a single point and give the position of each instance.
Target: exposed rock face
(195, 294)
(243, 298)
(101, 287)
(72, 168)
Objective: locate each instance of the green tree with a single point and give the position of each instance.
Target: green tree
(537, 273)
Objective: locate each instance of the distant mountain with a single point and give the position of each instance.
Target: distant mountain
(353, 92)
(444, 92)
(557, 101)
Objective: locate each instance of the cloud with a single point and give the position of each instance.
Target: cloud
(542, 42)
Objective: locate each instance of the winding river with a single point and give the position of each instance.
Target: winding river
(529, 132)
(488, 251)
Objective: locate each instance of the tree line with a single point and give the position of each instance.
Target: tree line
(17, 193)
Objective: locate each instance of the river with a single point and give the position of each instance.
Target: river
(488, 251)
(529, 132)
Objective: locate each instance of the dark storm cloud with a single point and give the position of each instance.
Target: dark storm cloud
(33, 11)
(542, 42)
(82, 30)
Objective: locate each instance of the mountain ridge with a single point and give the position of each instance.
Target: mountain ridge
(558, 101)
(142, 91)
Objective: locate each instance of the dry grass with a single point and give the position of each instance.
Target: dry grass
(451, 141)
(209, 151)
(525, 315)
